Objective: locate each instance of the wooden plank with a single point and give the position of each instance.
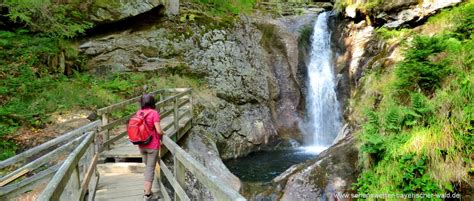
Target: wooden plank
(27, 182)
(220, 190)
(121, 121)
(121, 168)
(114, 139)
(48, 144)
(165, 101)
(113, 187)
(43, 159)
(183, 103)
(92, 191)
(72, 186)
(157, 167)
(123, 104)
(164, 192)
(56, 186)
(166, 113)
(179, 174)
(175, 114)
(105, 121)
(13, 177)
(184, 129)
(177, 188)
(177, 90)
(88, 176)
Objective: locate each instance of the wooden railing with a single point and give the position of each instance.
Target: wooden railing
(77, 178)
(72, 180)
(183, 162)
(41, 162)
(107, 124)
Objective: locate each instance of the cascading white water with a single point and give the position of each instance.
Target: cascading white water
(323, 115)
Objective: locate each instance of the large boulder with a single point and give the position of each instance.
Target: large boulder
(204, 150)
(396, 13)
(331, 173)
(416, 13)
(105, 11)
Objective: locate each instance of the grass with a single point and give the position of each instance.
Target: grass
(418, 132)
(368, 5)
(81, 91)
(226, 7)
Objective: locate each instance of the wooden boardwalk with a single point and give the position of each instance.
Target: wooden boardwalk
(97, 162)
(122, 181)
(123, 149)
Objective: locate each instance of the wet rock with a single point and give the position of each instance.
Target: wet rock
(333, 171)
(205, 151)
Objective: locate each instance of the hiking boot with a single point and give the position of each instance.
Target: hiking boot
(148, 197)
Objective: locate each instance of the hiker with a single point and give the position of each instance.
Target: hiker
(151, 149)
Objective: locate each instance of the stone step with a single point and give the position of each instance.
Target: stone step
(123, 168)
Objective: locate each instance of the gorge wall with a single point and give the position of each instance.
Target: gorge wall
(254, 69)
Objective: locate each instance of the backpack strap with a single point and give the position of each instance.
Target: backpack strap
(145, 115)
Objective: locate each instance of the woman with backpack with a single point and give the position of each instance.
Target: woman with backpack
(150, 149)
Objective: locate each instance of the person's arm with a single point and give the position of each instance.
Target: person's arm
(158, 128)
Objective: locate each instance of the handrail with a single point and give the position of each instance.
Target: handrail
(56, 186)
(220, 190)
(48, 144)
(107, 125)
(72, 179)
(124, 103)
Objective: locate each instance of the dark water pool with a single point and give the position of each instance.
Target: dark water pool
(266, 165)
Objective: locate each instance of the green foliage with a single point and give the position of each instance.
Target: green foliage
(365, 181)
(373, 141)
(368, 5)
(222, 7)
(305, 36)
(392, 120)
(419, 138)
(62, 20)
(417, 71)
(414, 175)
(388, 34)
(7, 149)
(465, 25)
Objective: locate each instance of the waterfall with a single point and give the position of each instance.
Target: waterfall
(323, 115)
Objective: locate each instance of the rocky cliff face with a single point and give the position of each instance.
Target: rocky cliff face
(396, 13)
(255, 70)
(250, 66)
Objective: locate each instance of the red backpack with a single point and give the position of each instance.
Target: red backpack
(138, 132)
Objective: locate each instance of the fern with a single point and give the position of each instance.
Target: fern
(61, 20)
(392, 120)
(417, 72)
(372, 117)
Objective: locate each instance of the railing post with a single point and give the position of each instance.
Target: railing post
(105, 121)
(179, 174)
(191, 105)
(175, 118)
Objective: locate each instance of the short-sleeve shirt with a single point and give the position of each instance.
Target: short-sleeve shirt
(150, 121)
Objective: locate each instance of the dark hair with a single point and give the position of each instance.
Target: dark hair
(147, 101)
